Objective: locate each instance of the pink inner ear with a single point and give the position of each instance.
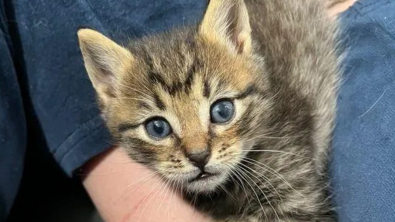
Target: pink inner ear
(240, 45)
(241, 28)
(239, 39)
(229, 20)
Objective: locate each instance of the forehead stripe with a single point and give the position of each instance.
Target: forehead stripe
(206, 89)
(126, 126)
(252, 89)
(159, 103)
(156, 78)
(189, 79)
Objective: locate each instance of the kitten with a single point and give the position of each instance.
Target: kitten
(238, 110)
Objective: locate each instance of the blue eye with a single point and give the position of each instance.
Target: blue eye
(158, 128)
(222, 111)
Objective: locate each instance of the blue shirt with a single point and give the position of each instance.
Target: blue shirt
(47, 101)
(363, 167)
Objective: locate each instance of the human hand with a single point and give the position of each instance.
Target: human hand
(340, 7)
(125, 191)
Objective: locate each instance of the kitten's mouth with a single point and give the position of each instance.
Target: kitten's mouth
(206, 181)
(202, 176)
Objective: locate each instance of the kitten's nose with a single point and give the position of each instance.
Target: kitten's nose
(199, 159)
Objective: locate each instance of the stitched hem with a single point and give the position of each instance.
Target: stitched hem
(89, 140)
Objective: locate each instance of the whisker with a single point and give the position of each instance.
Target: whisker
(164, 197)
(258, 176)
(135, 90)
(227, 192)
(238, 181)
(277, 151)
(131, 98)
(240, 173)
(150, 199)
(173, 198)
(272, 137)
(275, 212)
(129, 187)
(271, 170)
(158, 183)
(137, 181)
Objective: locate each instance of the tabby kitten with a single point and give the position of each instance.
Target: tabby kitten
(238, 110)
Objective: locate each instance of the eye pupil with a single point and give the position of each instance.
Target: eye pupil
(222, 111)
(158, 127)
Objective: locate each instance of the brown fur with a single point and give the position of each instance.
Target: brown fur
(282, 78)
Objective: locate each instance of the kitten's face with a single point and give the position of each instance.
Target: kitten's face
(188, 105)
(193, 117)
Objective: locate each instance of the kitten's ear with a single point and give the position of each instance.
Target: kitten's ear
(227, 21)
(105, 61)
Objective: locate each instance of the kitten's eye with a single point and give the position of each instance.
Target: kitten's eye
(222, 111)
(158, 128)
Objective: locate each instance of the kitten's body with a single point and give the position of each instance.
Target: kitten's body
(296, 40)
(269, 161)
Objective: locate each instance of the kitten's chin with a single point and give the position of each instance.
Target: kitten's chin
(206, 184)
